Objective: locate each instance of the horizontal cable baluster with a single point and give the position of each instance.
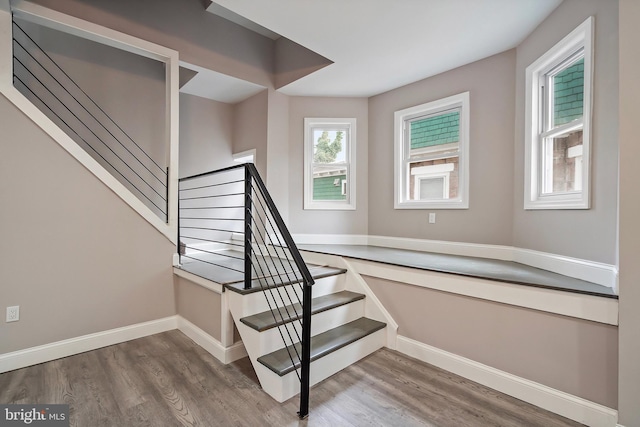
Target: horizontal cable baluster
(89, 145)
(213, 263)
(215, 219)
(82, 123)
(212, 197)
(272, 262)
(162, 171)
(212, 185)
(213, 241)
(213, 253)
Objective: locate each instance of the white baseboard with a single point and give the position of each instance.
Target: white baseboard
(45, 353)
(210, 344)
(48, 352)
(559, 402)
(440, 246)
(331, 239)
(591, 271)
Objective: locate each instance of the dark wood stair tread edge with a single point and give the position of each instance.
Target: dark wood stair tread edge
(317, 272)
(265, 320)
(322, 344)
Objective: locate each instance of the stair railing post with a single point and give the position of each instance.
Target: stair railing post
(247, 228)
(305, 363)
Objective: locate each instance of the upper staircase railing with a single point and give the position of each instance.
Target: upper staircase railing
(215, 210)
(41, 80)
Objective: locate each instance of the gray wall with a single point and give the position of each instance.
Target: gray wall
(129, 88)
(250, 125)
(324, 221)
(75, 257)
(588, 234)
(277, 149)
(206, 135)
(572, 355)
(199, 305)
(629, 375)
(202, 38)
(489, 217)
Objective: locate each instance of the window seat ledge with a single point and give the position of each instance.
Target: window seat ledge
(481, 268)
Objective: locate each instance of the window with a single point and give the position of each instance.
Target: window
(329, 168)
(558, 124)
(432, 155)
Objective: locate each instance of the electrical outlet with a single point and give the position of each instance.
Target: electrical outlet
(432, 217)
(13, 313)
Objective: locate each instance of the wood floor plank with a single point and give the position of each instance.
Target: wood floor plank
(168, 380)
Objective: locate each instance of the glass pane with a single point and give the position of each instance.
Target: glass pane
(435, 130)
(432, 188)
(562, 163)
(424, 175)
(329, 146)
(568, 93)
(328, 182)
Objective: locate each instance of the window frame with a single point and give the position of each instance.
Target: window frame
(537, 128)
(349, 126)
(401, 157)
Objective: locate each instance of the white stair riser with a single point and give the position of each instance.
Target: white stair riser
(270, 340)
(283, 388)
(258, 302)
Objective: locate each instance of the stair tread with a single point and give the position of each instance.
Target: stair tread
(322, 344)
(265, 320)
(257, 285)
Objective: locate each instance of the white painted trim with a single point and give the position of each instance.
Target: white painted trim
(559, 402)
(243, 156)
(440, 246)
(45, 353)
(580, 37)
(348, 125)
(210, 344)
(592, 271)
(374, 308)
(588, 307)
(205, 283)
(81, 28)
(401, 156)
(331, 239)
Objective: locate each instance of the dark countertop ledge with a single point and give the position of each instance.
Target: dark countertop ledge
(482, 268)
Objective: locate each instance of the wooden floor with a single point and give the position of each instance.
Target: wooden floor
(167, 380)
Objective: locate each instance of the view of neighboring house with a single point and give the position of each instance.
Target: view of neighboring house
(525, 153)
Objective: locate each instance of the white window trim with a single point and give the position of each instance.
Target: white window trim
(432, 172)
(581, 37)
(248, 156)
(350, 126)
(401, 173)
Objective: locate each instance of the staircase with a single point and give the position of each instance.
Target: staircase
(341, 334)
(300, 323)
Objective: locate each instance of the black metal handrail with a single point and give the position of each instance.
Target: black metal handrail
(213, 208)
(66, 103)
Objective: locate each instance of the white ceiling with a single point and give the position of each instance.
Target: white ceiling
(379, 45)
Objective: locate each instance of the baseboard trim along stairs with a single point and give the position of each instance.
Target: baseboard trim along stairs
(341, 334)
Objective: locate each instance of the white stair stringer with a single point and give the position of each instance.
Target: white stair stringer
(258, 344)
(354, 282)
